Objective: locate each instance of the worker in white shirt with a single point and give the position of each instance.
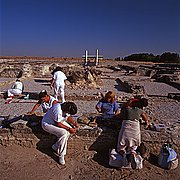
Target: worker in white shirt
(58, 83)
(46, 101)
(58, 121)
(16, 89)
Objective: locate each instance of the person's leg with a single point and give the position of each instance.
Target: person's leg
(61, 144)
(62, 135)
(56, 89)
(132, 156)
(122, 141)
(12, 92)
(62, 93)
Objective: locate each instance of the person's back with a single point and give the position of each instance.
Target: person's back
(132, 113)
(135, 102)
(18, 85)
(59, 76)
(52, 114)
(58, 83)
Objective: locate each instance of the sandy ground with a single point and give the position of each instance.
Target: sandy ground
(83, 160)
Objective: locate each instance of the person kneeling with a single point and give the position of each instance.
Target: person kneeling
(130, 135)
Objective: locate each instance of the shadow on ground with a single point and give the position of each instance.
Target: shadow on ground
(106, 141)
(43, 82)
(45, 139)
(120, 86)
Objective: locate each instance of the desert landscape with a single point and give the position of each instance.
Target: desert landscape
(26, 149)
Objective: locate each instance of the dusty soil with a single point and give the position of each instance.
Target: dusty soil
(87, 157)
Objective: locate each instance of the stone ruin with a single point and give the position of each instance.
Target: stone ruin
(166, 73)
(132, 87)
(159, 72)
(83, 77)
(77, 76)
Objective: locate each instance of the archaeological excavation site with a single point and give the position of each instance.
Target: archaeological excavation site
(26, 148)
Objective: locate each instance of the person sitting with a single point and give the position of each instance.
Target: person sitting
(130, 136)
(108, 105)
(16, 89)
(58, 121)
(45, 101)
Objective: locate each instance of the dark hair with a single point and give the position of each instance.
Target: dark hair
(19, 74)
(58, 68)
(42, 94)
(69, 107)
(143, 102)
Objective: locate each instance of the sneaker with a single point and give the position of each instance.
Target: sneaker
(54, 147)
(61, 160)
(8, 101)
(132, 160)
(142, 150)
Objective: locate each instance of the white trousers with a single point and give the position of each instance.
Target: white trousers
(12, 92)
(61, 134)
(129, 136)
(59, 87)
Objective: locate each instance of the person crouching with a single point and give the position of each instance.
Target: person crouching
(58, 121)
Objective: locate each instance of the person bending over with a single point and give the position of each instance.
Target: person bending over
(58, 121)
(130, 136)
(45, 101)
(133, 102)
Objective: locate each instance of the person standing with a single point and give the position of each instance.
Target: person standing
(58, 83)
(58, 121)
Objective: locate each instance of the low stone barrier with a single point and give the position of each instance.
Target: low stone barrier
(131, 87)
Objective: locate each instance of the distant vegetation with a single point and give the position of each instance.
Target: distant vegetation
(166, 57)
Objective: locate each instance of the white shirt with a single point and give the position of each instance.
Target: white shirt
(54, 115)
(46, 106)
(18, 85)
(59, 77)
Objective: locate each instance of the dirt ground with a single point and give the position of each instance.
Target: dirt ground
(29, 163)
(87, 158)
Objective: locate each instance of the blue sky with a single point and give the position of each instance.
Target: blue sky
(66, 28)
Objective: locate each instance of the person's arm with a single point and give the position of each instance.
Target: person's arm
(99, 106)
(54, 102)
(13, 86)
(34, 108)
(145, 118)
(116, 108)
(52, 83)
(117, 112)
(71, 121)
(71, 130)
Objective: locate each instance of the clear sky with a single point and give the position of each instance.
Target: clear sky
(66, 28)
